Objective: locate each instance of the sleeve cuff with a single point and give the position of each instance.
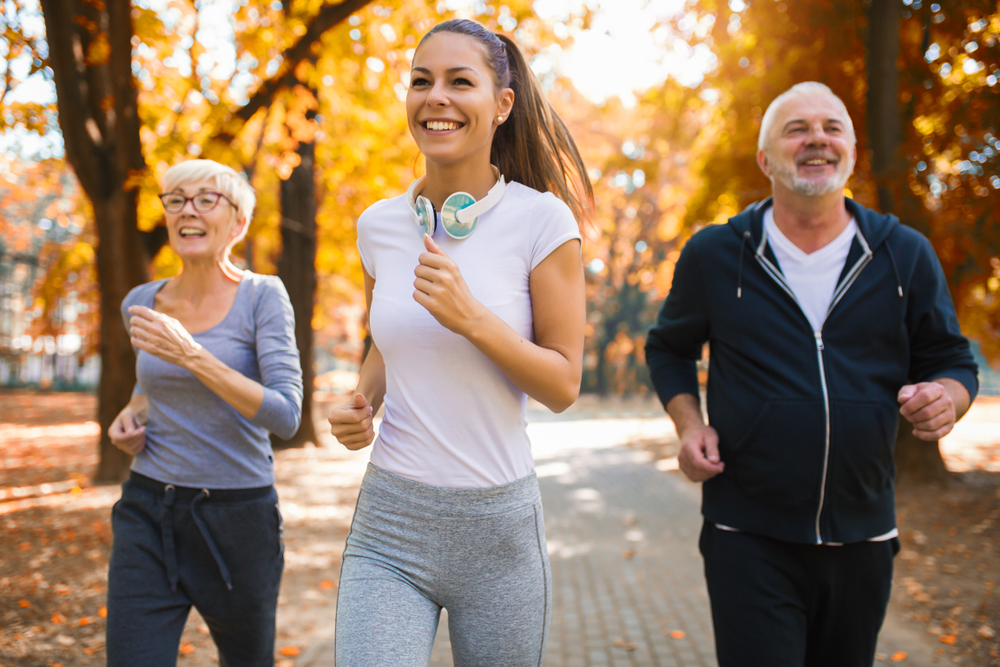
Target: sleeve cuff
(965, 377)
(277, 415)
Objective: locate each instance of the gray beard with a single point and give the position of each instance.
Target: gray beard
(811, 188)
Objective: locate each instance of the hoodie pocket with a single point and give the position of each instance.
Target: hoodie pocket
(780, 459)
(861, 463)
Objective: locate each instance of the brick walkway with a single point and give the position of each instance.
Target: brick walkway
(626, 573)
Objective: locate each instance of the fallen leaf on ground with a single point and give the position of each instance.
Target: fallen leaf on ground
(947, 639)
(65, 640)
(621, 643)
(289, 650)
(899, 656)
(103, 612)
(326, 584)
(57, 618)
(986, 632)
(677, 634)
(203, 629)
(24, 604)
(187, 648)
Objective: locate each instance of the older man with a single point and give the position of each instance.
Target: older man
(824, 319)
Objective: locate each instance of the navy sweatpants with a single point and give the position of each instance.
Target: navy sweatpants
(220, 551)
(782, 604)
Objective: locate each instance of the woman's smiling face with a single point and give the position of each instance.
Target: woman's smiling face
(195, 234)
(452, 104)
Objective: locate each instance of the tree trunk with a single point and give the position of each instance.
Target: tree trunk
(916, 460)
(884, 112)
(297, 270)
(90, 53)
(120, 267)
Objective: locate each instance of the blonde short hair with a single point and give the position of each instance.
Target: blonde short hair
(804, 89)
(229, 182)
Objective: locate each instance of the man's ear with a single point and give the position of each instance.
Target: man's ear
(763, 163)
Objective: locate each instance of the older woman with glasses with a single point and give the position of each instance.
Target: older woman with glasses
(217, 368)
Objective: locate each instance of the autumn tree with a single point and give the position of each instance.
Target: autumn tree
(640, 176)
(88, 50)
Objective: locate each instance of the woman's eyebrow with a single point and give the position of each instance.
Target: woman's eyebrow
(450, 70)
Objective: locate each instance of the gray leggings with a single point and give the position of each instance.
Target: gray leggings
(415, 548)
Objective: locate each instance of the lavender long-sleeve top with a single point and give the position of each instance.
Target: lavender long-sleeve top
(193, 437)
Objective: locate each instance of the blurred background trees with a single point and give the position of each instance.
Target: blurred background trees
(305, 98)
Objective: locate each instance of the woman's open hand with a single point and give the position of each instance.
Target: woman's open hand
(441, 289)
(162, 336)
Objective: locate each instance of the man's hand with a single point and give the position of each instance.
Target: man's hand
(699, 455)
(351, 424)
(930, 407)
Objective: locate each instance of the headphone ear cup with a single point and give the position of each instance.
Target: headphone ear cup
(449, 215)
(426, 216)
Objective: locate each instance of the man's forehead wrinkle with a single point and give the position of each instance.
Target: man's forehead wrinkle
(805, 121)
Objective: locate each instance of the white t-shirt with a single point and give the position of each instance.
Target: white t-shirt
(452, 418)
(811, 276)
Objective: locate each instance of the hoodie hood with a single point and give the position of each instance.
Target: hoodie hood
(874, 227)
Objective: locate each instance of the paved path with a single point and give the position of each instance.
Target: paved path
(628, 587)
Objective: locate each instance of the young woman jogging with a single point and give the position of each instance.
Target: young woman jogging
(475, 295)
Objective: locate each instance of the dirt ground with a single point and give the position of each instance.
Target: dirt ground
(57, 537)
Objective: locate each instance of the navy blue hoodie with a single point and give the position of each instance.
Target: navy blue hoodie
(806, 421)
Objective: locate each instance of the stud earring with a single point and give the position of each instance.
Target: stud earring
(499, 119)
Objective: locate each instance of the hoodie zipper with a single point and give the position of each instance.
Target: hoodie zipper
(838, 294)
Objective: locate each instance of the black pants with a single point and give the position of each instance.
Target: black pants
(220, 551)
(780, 604)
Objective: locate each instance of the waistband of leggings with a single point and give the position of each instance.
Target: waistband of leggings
(445, 501)
(186, 494)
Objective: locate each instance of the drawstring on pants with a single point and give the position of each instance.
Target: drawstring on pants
(167, 531)
(203, 529)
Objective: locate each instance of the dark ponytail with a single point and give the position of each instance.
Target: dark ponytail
(532, 146)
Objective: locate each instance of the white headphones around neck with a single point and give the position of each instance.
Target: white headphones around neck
(460, 212)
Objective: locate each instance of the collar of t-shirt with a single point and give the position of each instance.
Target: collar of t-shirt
(812, 276)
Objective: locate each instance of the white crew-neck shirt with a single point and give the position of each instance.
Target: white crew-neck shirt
(452, 418)
(811, 276)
